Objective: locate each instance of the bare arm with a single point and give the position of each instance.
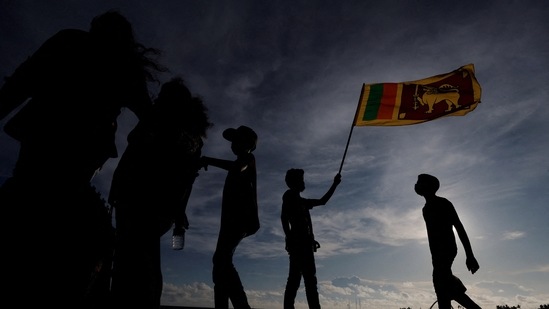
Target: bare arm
(337, 180)
(220, 163)
(285, 223)
(324, 199)
(286, 228)
(471, 261)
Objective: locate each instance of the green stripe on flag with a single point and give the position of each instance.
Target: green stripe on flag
(374, 102)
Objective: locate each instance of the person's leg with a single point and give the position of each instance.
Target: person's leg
(458, 294)
(310, 280)
(122, 259)
(221, 297)
(466, 301)
(227, 283)
(93, 227)
(442, 281)
(294, 280)
(156, 275)
(237, 295)
(136, 263)
(444, 303)
(219, 273)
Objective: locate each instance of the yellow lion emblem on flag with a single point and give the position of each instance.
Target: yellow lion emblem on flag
(433, 95)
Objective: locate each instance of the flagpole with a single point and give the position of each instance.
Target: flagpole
(346, 147)
(351, 131)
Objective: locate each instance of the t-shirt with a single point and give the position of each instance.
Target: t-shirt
(295, 209)
(440, 217)
(239, 210)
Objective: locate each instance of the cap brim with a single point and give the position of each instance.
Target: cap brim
(229, 134)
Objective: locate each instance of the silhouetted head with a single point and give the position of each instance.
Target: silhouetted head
(113, 28)
(173, 92)
(175, 103)
(426, 185)
(295, 179)
(114, 33)
(243, 138)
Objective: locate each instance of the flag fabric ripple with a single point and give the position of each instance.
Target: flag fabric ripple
(394, 104)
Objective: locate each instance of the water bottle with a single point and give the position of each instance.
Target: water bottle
(178, 238)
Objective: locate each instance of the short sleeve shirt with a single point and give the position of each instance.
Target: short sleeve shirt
(440, 217)
(296, 209)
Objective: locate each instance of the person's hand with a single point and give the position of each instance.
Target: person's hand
(316, 245)
(472, 264)
(185, 222)
(288, 245)
(204, 162)
(337, 179)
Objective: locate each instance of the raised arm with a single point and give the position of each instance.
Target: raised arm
(324, 199)
(328, 195)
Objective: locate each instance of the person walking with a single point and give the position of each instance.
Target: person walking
(239, 215)
(440, 219)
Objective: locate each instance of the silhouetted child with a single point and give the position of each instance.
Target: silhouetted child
(150, 189)
(239, 215)
(300, 240)
(440, 217)
(70, 93)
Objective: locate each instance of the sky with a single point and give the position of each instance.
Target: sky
(293, 71)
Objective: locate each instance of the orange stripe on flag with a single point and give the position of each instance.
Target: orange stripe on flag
(388, 101)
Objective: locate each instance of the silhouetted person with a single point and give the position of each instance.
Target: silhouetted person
(300, 240)
(440, 218)
(150, 189)
(74, 87)
(239, 215)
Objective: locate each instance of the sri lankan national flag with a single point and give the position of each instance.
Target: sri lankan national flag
(394, 104)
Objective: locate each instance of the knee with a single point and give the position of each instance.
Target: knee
(310, 282)
(293, 280)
